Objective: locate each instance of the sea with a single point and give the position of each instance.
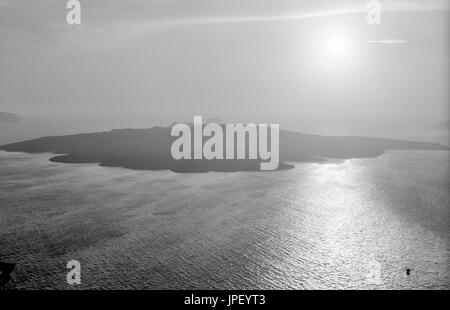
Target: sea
(374, 223)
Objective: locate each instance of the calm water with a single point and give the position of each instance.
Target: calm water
(316, 226)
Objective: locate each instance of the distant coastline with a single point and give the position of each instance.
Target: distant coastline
(10, 118)
(441, 126)
(149, 149)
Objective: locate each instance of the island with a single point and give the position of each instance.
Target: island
(149, 149)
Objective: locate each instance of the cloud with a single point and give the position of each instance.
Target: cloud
(389, 41)
(393, 6)
(248, 19)
(130, 29)
(109, 23)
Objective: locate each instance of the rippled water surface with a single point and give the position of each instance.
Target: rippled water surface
(316, 226)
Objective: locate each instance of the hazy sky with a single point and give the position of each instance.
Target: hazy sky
(303, 64)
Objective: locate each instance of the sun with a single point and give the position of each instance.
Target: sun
(337, 46)
(338, 52)
(335, 49)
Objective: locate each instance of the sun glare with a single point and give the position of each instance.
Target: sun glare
(338, 52)
(337, 46)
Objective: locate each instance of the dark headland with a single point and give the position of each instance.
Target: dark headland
(149, 149)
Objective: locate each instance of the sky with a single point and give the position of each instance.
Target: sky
(314, 66)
